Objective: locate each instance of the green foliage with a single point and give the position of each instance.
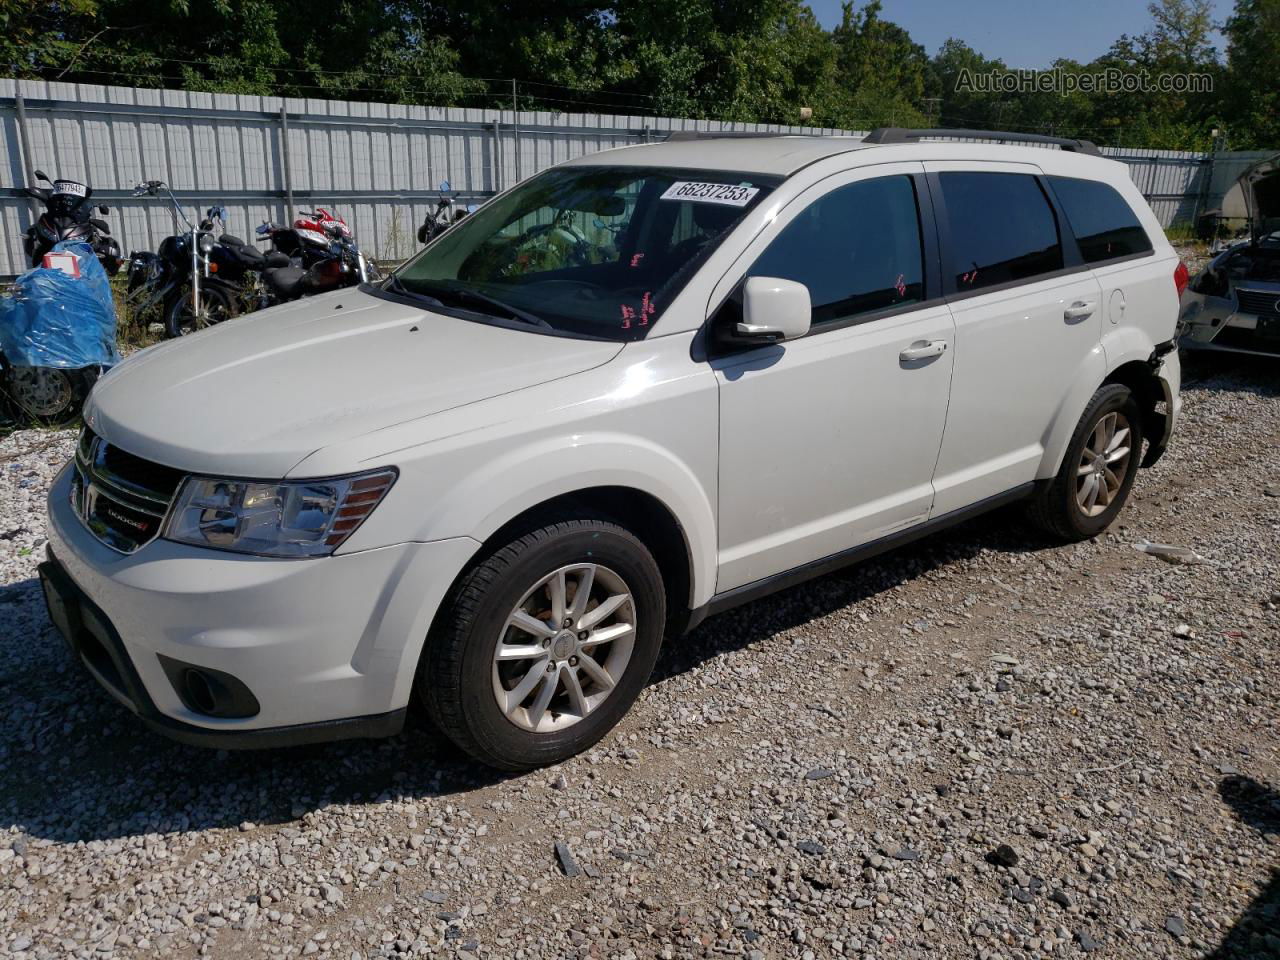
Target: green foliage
(743, 60)
(1253, 80)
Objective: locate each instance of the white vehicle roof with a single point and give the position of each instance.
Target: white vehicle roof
(784, 155)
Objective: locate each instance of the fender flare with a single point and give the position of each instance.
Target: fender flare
(479, 504)
(1089, 374)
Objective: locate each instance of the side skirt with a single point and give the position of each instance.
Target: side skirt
(817, 568)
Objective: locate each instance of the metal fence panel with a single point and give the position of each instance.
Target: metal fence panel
(378, 165)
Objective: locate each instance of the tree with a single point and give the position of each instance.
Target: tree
(1252, 94)
(956, 67)
(881, 74)
(1177, 45)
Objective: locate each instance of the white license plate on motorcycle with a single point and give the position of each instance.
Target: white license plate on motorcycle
(68, 263)
(69, 188)
(728, 194)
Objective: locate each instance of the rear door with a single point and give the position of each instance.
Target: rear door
(1135, 283)
(1027, 313)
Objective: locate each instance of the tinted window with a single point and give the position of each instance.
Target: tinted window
(857, 249)
(1105, 226)
(1002, 228)
(582, 251)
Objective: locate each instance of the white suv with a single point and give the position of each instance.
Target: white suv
(636, 389)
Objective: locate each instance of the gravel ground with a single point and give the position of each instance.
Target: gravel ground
(979, 746)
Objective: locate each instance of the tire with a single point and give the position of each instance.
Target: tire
(46, 396)
(218, 305)
(1062, 507)
(460, 681)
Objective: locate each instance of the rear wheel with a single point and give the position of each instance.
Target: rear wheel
(546, 644)
(1097, 471)
(216, 306)
(46, 396)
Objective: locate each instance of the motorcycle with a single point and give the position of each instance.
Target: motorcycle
(57, 334)
(317, 254)
(68, 216)
(200, 276)
(446, 214)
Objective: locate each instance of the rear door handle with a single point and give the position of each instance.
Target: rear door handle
(1079, 310)
(923, 350)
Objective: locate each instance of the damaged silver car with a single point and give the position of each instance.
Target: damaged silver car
(1233, 304)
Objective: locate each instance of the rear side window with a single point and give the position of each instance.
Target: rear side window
(1002, 229)
(1104, 224)
(856, 248)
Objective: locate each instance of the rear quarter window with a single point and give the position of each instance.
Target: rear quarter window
(1105, 226)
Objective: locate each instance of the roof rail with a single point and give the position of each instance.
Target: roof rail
(730, 134)
(902, 135)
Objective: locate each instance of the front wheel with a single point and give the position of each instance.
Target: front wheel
(216, 306)
(546, 643)
(1097, 471)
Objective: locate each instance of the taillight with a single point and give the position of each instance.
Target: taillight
(1181, 278)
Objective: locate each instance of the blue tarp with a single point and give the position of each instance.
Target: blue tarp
(52, 319)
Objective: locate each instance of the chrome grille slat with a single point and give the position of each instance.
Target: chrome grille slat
(121, 487)
(124, 512)
(1260, 302)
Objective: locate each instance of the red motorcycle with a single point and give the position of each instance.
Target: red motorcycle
(315, 255)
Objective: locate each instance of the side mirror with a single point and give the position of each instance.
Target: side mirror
(774, 310)
(444, 186)
(104, 209)
(41, 175)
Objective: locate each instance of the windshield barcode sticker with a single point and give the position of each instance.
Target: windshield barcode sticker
(68, 188)
(729, 194)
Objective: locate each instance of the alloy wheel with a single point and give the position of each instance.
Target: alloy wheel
(564, 648)
(1104, 463)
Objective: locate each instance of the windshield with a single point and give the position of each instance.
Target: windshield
(582, 251)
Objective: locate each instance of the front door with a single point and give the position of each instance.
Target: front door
(830, 441)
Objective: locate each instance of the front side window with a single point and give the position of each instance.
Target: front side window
(596, 252)
(1104, 224)
(856, 248)
(1002, 229)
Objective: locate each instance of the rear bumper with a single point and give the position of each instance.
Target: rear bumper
(1166, 367)
(93, 641)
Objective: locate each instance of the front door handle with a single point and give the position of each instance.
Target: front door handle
(923, 350)
(1079, 310)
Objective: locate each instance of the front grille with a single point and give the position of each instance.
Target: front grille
(121, 498)
(1259, 302)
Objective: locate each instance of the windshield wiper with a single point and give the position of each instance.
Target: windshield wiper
(396, 285)
(441, 295)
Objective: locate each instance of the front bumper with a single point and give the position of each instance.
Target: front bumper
(93, 641)
(327, 647)
(1215, 323)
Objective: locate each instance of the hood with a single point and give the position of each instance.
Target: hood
(256, 395)
(1255, 196)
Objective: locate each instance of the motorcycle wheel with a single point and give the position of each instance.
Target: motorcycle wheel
(46, 396)
(218, 305)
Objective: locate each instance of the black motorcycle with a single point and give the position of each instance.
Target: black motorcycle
(68, 216)
(200, 276)
(446, 214)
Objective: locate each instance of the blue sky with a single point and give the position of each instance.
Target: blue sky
(1022, 33)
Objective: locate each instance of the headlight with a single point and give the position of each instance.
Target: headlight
(207, 243)
(301, 518)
